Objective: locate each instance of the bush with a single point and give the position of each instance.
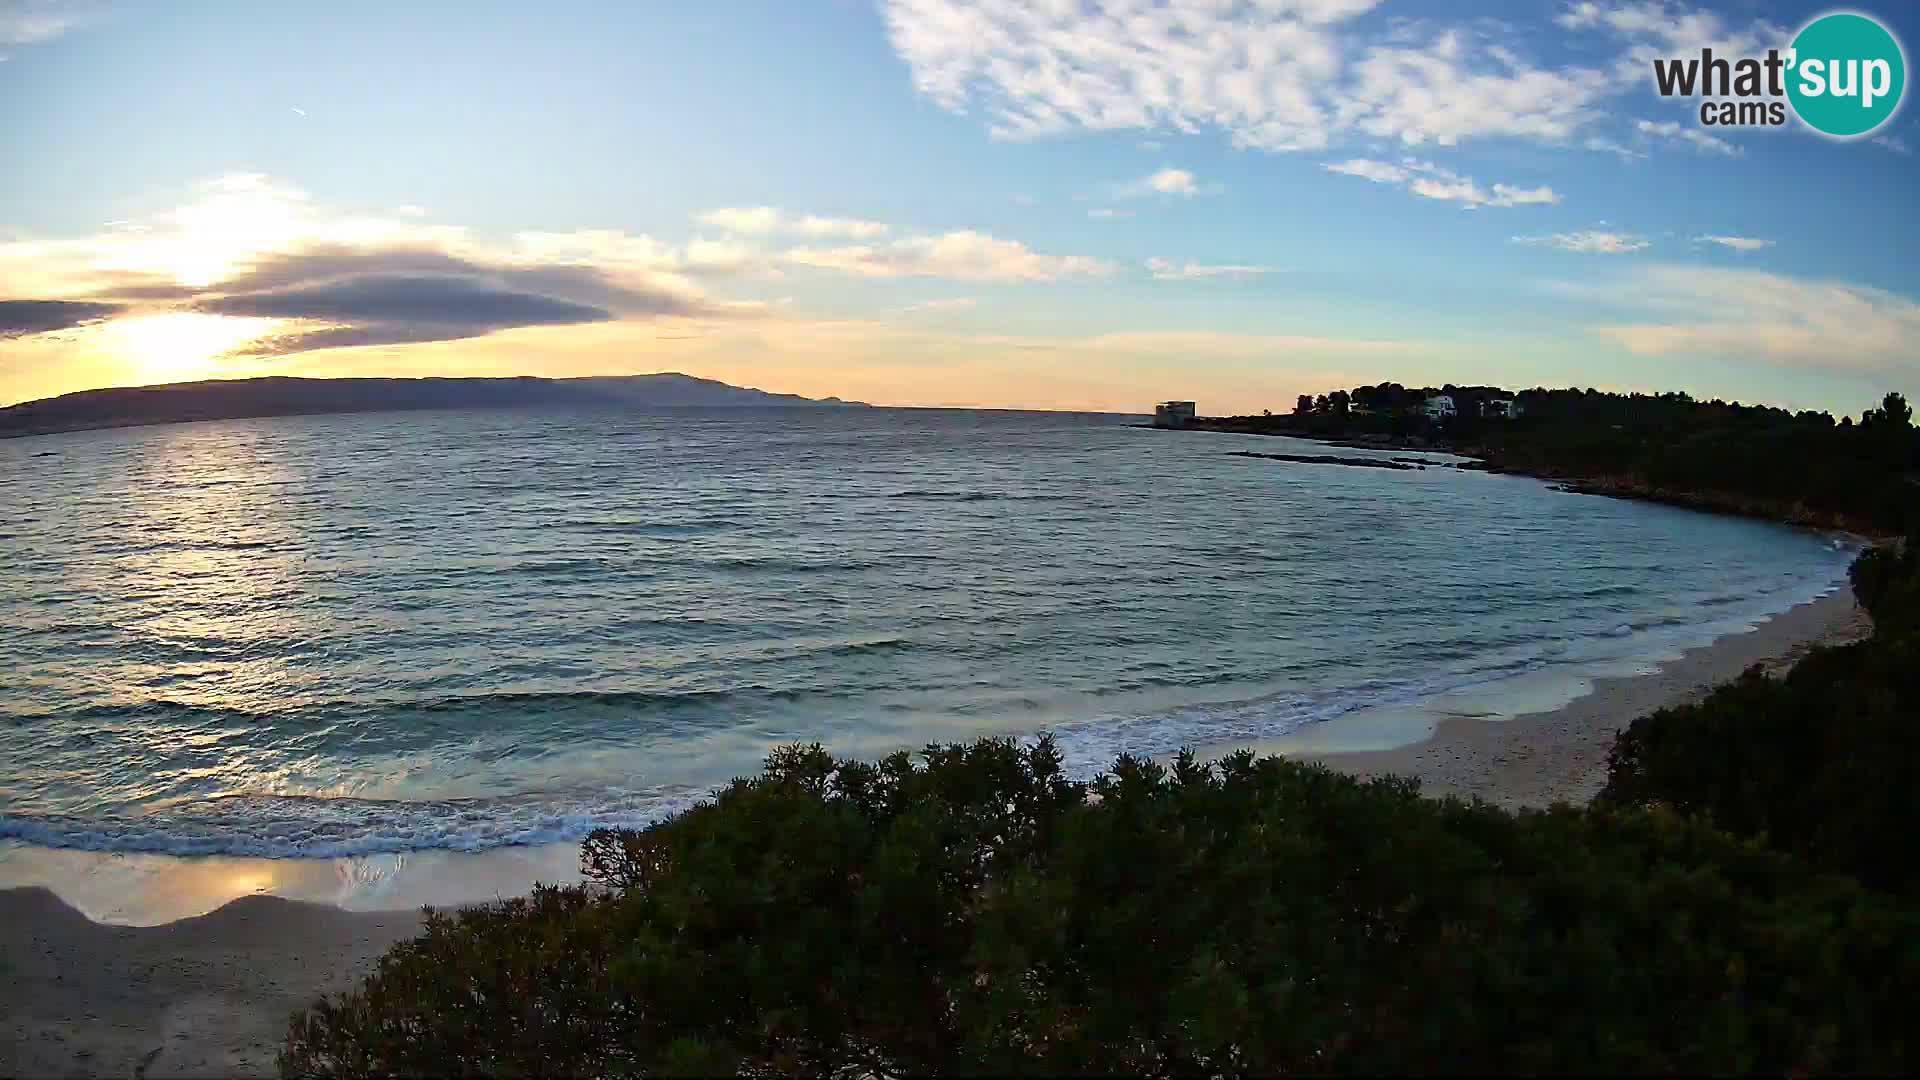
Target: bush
(977, 913)
(1820, 763)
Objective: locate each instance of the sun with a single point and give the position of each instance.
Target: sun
(179, 346)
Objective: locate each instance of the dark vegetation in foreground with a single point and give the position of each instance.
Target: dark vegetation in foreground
(1737, 902)
(979, 915)
(1804, 467)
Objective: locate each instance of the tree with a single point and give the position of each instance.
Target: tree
(1895, 410)
(1303, 405)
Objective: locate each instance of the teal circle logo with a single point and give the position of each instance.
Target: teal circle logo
(1847, 74)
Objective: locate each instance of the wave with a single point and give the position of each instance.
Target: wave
(308, 827)
(561, 701)
(973, 496)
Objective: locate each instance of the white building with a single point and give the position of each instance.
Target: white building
(1440, 406)
(1504, 408)
(1173, 414)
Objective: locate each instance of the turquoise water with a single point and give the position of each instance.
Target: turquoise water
(340, 635)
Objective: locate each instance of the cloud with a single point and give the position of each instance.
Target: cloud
(1591, 241)
(1737, 243)
(1108, 213)
(962, 256)
(1167, 270)
(370, 297)
(1602, 144)
(22, 317)
(1380, 172)
(768, 219)
(955, 303)
(27, 22)
(755, 219)
(1165, 182)
(435, 300)
(1651, 28)
(1699, 139)
(1892, 142)
(248, 248)
(1751, 314)
(1431, 181)
(1275, 75)
(1440, 92)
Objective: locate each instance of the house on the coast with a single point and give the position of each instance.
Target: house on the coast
(1173, 414)
(1503, 408)
(1440, 406)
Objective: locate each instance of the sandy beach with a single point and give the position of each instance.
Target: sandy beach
(210, 995)
(207, 996)
(1560, 755)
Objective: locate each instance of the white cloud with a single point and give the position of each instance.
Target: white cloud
(1604, 145)
(742, 219)
(1108, 213)
(1751, 314)
(1168, 270)
(1738, 243)
(1651, 29)
(756, 220)
(25, 22)
(1431, 181)
(828, 226)
(1271, 74)
(1699, 139)
(1435, 93)
(962, 256)
(1892, 142)
(1380, 172)
(955, 303)
(1590, 241)
(1165, 182)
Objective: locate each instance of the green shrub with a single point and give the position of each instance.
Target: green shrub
(1820, 763)
(977, 913)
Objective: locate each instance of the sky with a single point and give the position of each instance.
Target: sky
(1054, 204)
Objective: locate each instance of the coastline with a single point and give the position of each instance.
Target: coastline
(1553, 755)
(210, 994)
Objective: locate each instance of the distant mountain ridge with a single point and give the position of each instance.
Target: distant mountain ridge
(235, 399)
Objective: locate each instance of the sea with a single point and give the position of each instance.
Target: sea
(332, 637)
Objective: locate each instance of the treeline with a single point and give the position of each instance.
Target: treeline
(1804, 467)
(1737, 902)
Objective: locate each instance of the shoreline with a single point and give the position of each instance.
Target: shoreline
(1477, 459)
(1537, 758)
